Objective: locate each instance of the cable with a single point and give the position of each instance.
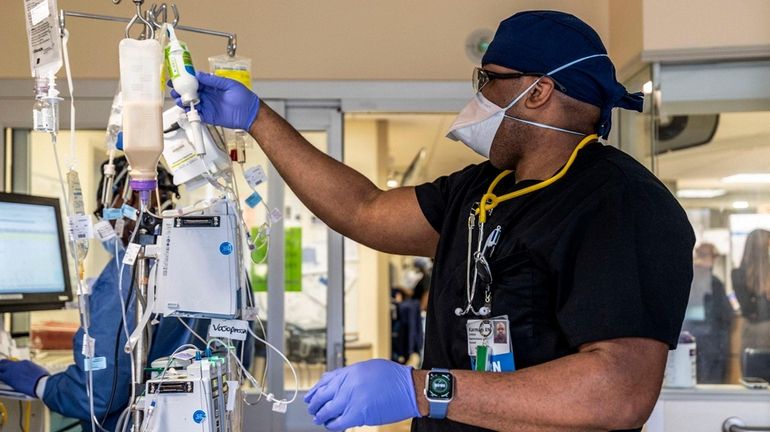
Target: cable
(151, 406)
(270, 397)
(117, 346)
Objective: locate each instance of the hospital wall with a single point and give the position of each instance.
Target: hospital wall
(674, 25)
(301, 39)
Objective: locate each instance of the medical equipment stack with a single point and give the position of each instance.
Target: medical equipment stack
(188, 262)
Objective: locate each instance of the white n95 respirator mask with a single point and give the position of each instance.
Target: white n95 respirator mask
(477, 123)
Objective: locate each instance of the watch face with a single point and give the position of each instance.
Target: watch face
(439, 385)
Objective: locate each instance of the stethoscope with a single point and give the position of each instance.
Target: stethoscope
(483, 209)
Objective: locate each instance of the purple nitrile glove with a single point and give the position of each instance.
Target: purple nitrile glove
(370, 393)
(224, 102)
(21, 375)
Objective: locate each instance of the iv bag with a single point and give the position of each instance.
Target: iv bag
(236, 68)
(43, 35)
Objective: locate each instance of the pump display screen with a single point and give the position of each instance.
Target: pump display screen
(32, 257)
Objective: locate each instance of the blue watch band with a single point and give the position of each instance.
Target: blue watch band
(437, 410)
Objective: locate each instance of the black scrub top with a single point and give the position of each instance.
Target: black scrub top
(605, 252)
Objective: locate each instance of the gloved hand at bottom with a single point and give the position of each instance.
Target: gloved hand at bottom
(21, 375)
(369, 393)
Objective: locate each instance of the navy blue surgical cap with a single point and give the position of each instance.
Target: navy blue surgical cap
(541, 41)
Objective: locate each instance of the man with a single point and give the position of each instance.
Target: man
(65, 392)
(500, 334)
(709, 317)
(586, 254)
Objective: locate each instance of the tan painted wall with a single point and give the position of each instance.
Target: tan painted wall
(682, 24)
(626, 27)
(303, 39)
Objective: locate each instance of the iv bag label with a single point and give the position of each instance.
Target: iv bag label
(89, 346)
(255, 176)
(231, 395)
(95, 364)
(81, 227)
(130, 212)
(112, 213)
(43, 37)
(253, 200)
(131, 253)
(120, 226)
(104, 231)
(242, 76)
(230, 329)
(275, 215)
(39, 13)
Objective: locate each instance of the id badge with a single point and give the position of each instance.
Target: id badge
(489, 344)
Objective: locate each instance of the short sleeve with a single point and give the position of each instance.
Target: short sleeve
(434, 197)
(626, 266)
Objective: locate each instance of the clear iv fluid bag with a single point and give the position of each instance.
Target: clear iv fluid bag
(75, 195)
(45, 49)
(140, 67)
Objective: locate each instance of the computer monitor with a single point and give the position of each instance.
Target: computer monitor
(33, 262)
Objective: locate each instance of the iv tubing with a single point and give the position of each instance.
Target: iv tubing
(73, 151)
(84, 310)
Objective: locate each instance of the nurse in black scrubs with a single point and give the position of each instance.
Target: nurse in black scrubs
(574, 246)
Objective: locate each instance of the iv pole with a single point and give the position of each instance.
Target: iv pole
(151, 23)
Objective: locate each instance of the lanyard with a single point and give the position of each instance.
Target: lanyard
(488, 203)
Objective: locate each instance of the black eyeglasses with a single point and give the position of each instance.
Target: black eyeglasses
(482, 77)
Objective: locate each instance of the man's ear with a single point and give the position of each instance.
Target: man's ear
(540, 94)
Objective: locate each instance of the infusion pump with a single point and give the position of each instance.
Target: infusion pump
(200, 397)
(197, 265)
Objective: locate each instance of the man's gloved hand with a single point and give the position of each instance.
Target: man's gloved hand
(21, 375)
(224, 102)
(370, 393)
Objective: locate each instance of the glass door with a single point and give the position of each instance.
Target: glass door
(300, 289)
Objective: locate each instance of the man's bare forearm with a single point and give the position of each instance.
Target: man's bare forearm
(343, 198)
(587, 391)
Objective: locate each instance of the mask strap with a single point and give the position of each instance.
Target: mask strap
(522, 94)
(574, 62)
(543, 125)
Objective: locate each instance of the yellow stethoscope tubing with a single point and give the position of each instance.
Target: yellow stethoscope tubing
(489, 200)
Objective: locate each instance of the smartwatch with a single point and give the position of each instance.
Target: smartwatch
(439, 389)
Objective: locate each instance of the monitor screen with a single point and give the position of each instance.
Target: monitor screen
(33, 265)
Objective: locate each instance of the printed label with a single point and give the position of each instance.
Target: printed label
(253, 200)
(130, 212)
(230, 329)
(104, 231)
(226, 248)
(112, 213)
(81, 227)
(255, 176)
(131, 252)
(199, 416)
(95, 364)
(89, 346)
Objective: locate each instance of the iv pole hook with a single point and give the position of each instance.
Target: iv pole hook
(139, 18)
